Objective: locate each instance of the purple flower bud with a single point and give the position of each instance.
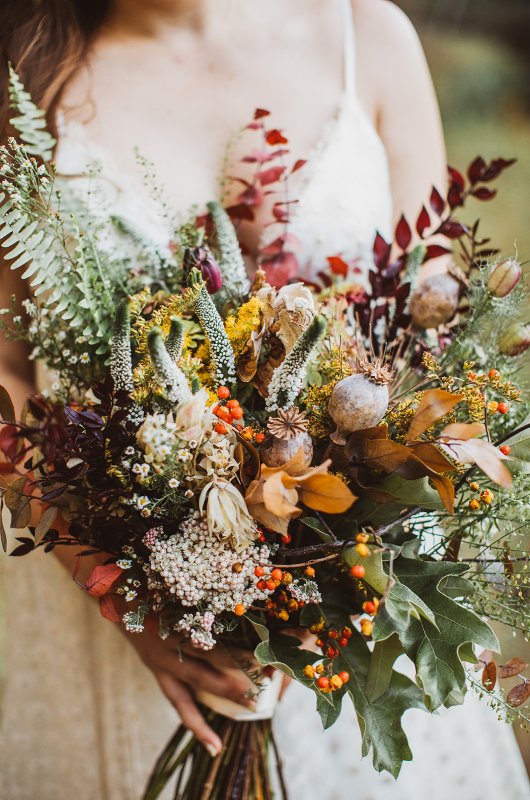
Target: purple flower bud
(504, 277)
(515, 339)
(202, 258)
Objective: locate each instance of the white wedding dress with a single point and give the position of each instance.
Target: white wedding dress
(83, 719)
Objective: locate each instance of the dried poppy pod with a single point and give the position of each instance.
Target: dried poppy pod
(434, 302)
(287, 435)
(360, 401)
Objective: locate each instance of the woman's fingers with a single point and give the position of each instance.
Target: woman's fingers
(182, 699)
(199, 675)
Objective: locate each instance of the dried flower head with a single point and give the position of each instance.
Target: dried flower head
(288, 424)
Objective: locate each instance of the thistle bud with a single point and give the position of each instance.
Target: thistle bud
(202, 259)
(504, 277)
(515, 339)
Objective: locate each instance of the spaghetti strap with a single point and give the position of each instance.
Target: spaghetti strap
(349, 49)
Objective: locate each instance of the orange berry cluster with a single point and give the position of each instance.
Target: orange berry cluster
(330, 640)
(280, 605)
(326, 683)
(486, 497)
(229, 412)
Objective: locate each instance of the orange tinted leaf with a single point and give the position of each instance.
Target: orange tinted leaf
(280, 496)
(463, 431)
(101, 579)
(434, 405)
(446, 490)
(430, 455)
(108, 609)
(519, 694)
(489, 676)
(326, 493)
(512, 667)
(486, 456)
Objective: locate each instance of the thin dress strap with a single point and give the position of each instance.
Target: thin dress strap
(349, 50)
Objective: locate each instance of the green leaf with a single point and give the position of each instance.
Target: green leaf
(318, 526)
(397, 609)
(379, 719)
(382, 662)
(329, 707)
(375, 575)
(438, 651)
(284, 653)
(413, 493)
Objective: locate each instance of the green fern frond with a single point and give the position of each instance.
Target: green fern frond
(30, 120)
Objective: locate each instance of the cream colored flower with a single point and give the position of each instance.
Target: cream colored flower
(287, 311)
(227, 514)
(193, 417)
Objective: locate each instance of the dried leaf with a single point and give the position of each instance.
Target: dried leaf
(3, 535)
(326, 493)
(489, 676)
(280, 496)
(513, 667)
(431, 456)
(445, 488)
(7, 410)
(519, 694)
(21, 515)
(108, 608)
(434, 405)
(485, 455)
(44, 524)
(463, 431)
(14, 491)
(102, 578)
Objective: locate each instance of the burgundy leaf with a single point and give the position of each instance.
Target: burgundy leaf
(495, 167)
(286, 240)
(437, 202)
(476, 170)
(271, 175)
(281, 269)
(259, 113)
(423, 221)
(435, 251)
(454, 196)
(457, 177)
(241, 212)
(403, 233)
(452, 229)
(483, 193)
(382, 252)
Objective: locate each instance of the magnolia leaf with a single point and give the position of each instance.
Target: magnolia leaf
(519, 694)
(7, 409)
(375, 576)
(489, 676)
(438, 651)
(102, 578)
(463, 431)
(513, 667)
(108, 609)
(485, 455)
(318, 526)
(434, 405)
(379, 719)
(382, 662)
(45, 522)
(326, 493)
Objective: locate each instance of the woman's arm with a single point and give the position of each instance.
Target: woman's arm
(397, 90)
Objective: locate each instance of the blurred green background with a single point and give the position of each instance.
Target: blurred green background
(479, 55)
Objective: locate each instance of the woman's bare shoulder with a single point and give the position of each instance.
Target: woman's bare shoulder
(384, 18)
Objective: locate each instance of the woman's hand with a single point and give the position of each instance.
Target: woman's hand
(180, 671)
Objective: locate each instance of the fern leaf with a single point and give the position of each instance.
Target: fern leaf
(30, 121)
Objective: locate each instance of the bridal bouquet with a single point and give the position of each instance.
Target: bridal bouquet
(264, 464)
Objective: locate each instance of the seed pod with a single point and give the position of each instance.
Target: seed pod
(515, 339)
(434, 302)
(504, 277)
(277, 452)
(202, 259)
(360, 401)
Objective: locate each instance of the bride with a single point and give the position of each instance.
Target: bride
(86, 706)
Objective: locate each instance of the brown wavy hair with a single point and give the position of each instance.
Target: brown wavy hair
(45, 41)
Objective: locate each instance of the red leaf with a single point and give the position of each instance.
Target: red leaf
(457, 177)
(454, 196)
(241, 212)
(10, 443)
(437, 202)
(108, 609)
(337, 265)
(495, 167)
(275, 136)
(489, 676)
(298, 164)
(382, 252)
(435, 251)
(452, 229)
(259, 113)
(280, 244)
(476, 170)
(483, 193)
(271, 175)
(281, 269)
(403, 233)
(102, 578)
(423, 222)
